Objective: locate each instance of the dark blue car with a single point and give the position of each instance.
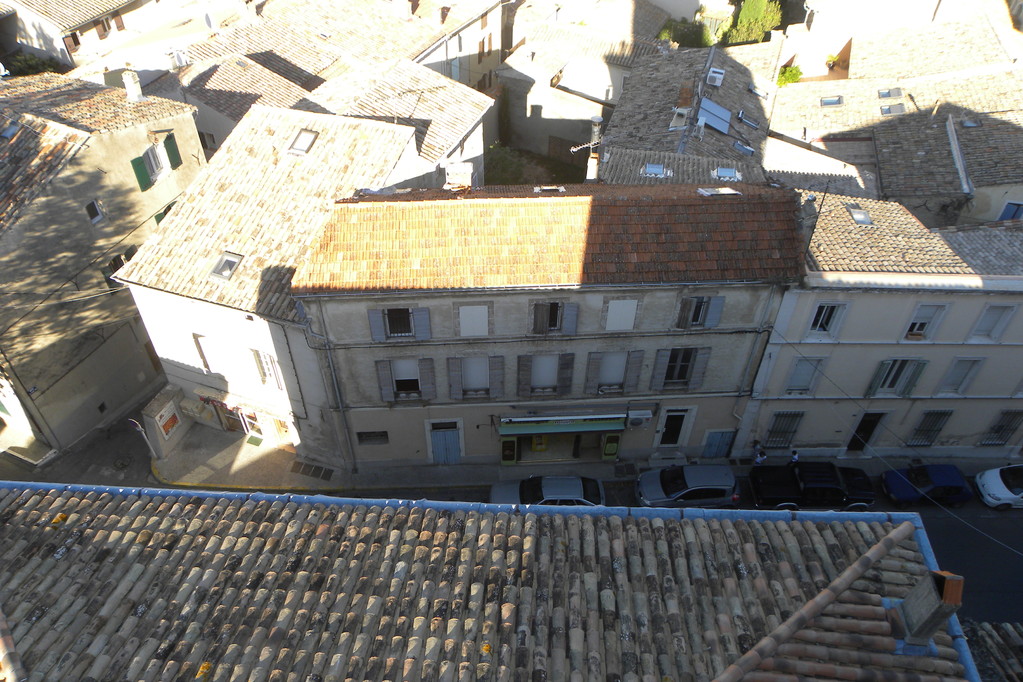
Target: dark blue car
(941, 483)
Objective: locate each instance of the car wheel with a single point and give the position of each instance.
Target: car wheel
(857, 507)
(1004, 506)
(788, 506)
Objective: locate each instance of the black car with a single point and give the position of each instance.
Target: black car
(811, 484)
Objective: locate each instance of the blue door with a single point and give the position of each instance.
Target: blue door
(445, 442)
(719, 443)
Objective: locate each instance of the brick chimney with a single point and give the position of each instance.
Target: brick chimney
(132, 86)
(934, 598)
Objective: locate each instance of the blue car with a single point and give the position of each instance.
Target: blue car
(941, 483)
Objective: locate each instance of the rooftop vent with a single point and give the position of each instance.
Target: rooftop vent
(715, 76)
(929, 604)
(132, 86)
(226, 265)
(717, 192)
(860, 216)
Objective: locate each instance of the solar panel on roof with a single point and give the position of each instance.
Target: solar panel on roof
(717, 116)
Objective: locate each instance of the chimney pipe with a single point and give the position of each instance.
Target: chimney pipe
(929, 604)
(132, 86)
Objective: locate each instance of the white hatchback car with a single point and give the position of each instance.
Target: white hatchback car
(1001, 488)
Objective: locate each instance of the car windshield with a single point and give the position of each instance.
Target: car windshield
(531, 490)
(591, 490)
(673, 479)
(1012, 477)
(919, 477)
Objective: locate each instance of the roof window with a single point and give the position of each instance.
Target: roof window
(971, 123)
(548, 189)
(743, 149)
(893, 109)
(762, 94)
(717, 192)
(751, 122)
(859, 216)
(226, 265)
(656, 170)
(889, 93)
(832, 101)
(9, 131)
(715, 76)
(731, 174)
(303, 142)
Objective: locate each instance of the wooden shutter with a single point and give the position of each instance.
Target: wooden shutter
(660, 367)
(455, 378)
(875, 382)
(171, 146)
(699, 369)
(914, 374)
(70, 45)
(525, 375)
(427, 379)
(101, 29)
(714, 307)
(386, 380)
(565, 363)
(570, 318)
(138, 164)
(118, 21)
(376, 324)
(541, 311)
(421, 323)
(496, 376)
(685, 313)
(592, 373)
(632, 368)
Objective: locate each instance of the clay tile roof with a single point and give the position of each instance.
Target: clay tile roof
(82, 105)
(441, 110)
(997, 649)
(71, 14)
(233, 83)
(621, 166)
(159, 584)
(592, 234)
(32, 152)
(259, 200)
(6, 11)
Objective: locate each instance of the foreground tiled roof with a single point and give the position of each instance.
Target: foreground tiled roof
(441, 110)
(35, 153)
(621, 166)
(585, 235)
(157, 584)
(258, 200)
(70, 14)
(997, 649)
(232, 84)
(82, 105)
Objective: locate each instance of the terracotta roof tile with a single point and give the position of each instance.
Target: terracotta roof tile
(233, 83)
(82, 105)
(148, 584)
(435, 239)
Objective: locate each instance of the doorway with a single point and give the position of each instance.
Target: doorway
(445, 442)
(865, 430)
(673, 429)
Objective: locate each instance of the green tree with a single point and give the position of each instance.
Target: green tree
(789, 74)
(756, 17)
(24, 64)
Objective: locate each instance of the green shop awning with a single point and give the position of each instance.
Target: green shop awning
(522, 426)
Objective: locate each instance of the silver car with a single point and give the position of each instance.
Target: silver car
(565, 491)
(1001, 488)
(692, 485)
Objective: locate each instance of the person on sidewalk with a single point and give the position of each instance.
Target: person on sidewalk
(761, 455)
(795, 458)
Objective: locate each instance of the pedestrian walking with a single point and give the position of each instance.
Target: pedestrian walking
(795, 458)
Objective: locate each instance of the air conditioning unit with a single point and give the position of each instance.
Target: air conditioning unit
(715, 77)
(638, 418)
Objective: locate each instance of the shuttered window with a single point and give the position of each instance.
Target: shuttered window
(552, 317)
(545, 375)
(406, 379)
(679, 369)
(155, 161)
(895, 377)
(700, 312)
(399, 324)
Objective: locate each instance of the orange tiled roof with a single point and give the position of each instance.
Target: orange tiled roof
(585, 235)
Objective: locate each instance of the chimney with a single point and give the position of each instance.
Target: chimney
(593, 162)
(934, 598)
(132, 86)
(444, 11)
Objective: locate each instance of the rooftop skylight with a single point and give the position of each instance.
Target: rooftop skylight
(717, 192)
(832, 101)
(743, 149)
(893, 109)
(303, 142)
(860, 216)
(656, 170)
(226, 265)
(890, 92)
(732, 174)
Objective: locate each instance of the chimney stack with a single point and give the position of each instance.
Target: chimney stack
(132, 86)
(934, 598)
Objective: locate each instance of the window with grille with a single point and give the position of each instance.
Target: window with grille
(930, 426)
(398, 321)
(1003, 428)
(783, 429)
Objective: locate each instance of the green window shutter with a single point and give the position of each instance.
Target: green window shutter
(141, 173)
(173, 155)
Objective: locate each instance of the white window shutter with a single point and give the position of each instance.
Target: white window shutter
(386, 380)
(421, 323)
(714, 309)
(570, 318)
(376, 325)
(660, 367)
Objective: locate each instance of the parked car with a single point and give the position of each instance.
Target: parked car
(941, 483)
(1001, 488)
(693, 485)
(570, 491)
(811, 484)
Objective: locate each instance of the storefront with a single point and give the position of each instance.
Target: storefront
(553, 438)
(231, 413)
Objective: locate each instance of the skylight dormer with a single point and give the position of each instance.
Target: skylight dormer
(727, 174)
(303, 142)
(859, 216)
(226, 265)
(656, 170)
